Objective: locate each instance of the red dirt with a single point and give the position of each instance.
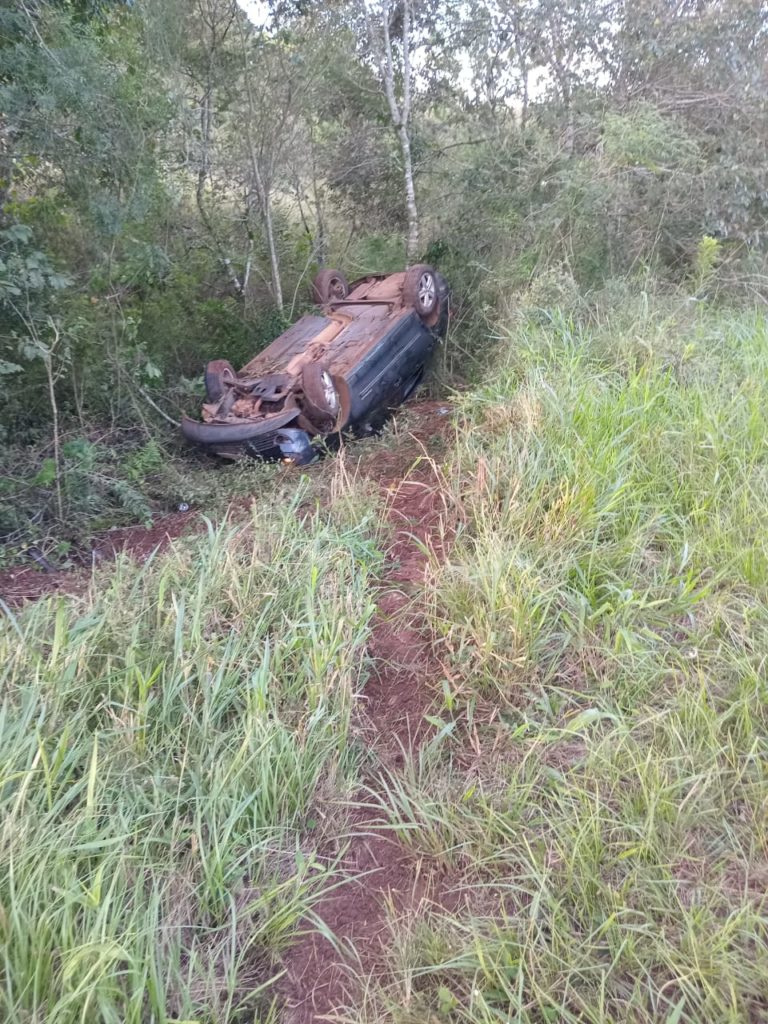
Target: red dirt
(382, 878)
(28, 583)
(386, 878)
(19, 584)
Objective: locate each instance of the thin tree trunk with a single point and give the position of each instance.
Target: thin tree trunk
(218, 32)
(400, 113)
(412, 245)
(570, 133)
(274, 264)
(206, 122)
(321, 241)
(524, 76)
(49, 372)
(266, 215)
(262, 191)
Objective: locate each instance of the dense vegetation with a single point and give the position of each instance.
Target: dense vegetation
(182, 742)
(152, 864)
(601, 619)
(173, 173)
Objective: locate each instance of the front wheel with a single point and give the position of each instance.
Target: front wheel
(321, 399)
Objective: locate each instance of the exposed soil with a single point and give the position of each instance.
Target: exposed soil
(386, 880)
(19, 584)
(28, 583)
(382, 878)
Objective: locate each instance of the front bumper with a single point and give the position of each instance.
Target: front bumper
(271, 439)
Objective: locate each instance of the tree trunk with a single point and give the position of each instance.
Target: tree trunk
(399, 112)
(262, 188)
(321, 241)
(265, 205)
(274, 263)
(412, 249)
(206, 122)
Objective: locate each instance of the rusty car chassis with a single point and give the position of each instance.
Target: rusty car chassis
(340, 368)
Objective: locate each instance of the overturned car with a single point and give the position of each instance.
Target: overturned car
(343, 367)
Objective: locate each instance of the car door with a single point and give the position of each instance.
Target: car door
(413, 354)
(381, 379)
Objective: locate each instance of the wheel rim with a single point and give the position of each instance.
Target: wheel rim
(331, 398)
(426, 291)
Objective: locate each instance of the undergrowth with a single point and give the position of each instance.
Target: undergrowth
(166, 744)
(594, 802)
(591, 803)
(109, 479)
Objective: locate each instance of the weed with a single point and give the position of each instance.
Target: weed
(164, 742)
(595, 800)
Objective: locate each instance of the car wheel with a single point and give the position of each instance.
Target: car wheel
(329, 286)
(219, 375)
(321, 399)
(420, 290)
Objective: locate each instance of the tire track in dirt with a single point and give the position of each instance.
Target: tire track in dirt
(380, 876)
(384, 878)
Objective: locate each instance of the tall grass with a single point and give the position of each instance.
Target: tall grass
(597, 797)
(592, 802)
(166, 744)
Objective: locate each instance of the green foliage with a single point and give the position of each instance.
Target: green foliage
(103, 483)
(643, 137)
(377, 254)
(144, 264)
(133, 214)
(591, 800)
(24, 270)
(148, 459)
(161, 766)
(553, 469)
(29, 287)
(708, 253)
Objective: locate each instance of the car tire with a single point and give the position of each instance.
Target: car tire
(321, 397)
(329, 286)
(420, 290)
(219, 373)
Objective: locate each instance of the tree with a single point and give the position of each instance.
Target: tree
(703, 64)
(388, 31)
(273, 80)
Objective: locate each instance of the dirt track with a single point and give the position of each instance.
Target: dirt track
(398, 696)
(318, 978)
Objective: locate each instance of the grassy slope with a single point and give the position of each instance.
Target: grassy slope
(597, 796)
(164, 744)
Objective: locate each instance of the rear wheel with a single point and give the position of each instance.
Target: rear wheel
(219, 375)
(321, 399)
(329, 286)
(420, 290)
